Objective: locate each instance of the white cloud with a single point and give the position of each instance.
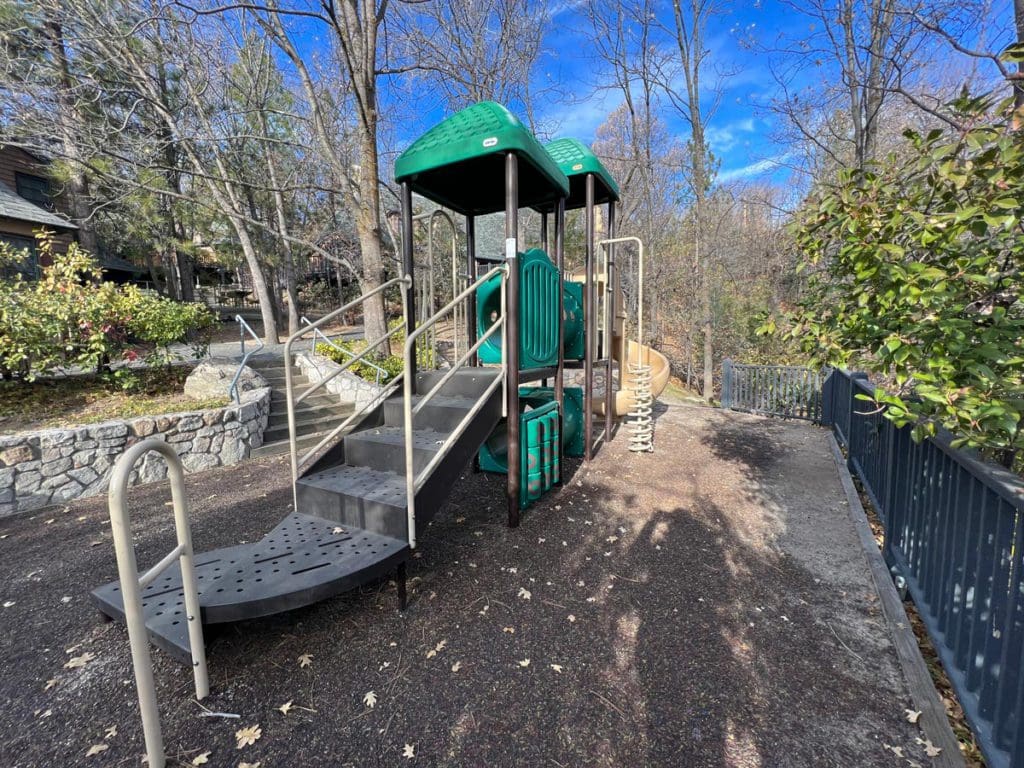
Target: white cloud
(754, 169)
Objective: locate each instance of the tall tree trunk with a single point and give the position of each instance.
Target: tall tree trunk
(375, 322)
(286, 245)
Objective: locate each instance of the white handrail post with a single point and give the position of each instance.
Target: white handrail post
(131, 590)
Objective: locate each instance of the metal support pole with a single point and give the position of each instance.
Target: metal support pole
(408, 267)
(560, 263)
(512, 334)
(589, 323)
(471, 278)
(609, 327)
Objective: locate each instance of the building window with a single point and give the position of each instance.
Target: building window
(27, 267)
(35, 189)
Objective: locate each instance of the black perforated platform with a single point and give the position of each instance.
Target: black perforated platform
(303, 560)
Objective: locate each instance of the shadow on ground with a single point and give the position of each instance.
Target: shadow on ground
(702, 606)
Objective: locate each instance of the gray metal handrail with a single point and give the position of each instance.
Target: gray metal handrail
(317, 332)
(291, 400)
(414, 480)
(242, 328)
(132, 585)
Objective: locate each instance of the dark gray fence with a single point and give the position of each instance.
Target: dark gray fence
(789, 391)
(954, 530)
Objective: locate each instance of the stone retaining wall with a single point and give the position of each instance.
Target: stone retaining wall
(349, 387)
(55, 465)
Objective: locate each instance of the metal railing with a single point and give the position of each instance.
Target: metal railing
(292, 400)
(132, 585)
(317, 333)
(413, 479)
(242, 328)
(789, 391)
(954, 533)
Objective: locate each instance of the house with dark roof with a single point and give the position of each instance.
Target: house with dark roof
(28, 204)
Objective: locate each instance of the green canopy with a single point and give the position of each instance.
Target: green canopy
(460, 162)
(577, 160)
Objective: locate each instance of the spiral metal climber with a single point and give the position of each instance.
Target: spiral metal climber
(641, 425)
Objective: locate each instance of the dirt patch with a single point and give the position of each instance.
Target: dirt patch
(705, 605)
(88, 399)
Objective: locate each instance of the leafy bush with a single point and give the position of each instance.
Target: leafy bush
(69, 318)
(916, 278)
(392, 364)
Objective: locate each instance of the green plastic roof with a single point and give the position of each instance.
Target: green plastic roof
(459, 163)
(577, 160)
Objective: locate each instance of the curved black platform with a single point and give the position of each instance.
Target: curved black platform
(351, 527)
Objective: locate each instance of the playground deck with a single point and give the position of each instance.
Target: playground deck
(707, 605)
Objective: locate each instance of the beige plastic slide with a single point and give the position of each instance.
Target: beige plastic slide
(660, 371)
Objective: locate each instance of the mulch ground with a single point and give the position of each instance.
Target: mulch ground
(707, 605)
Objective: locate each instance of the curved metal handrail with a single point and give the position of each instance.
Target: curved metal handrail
(243, 327)
(317, 332)
(132, 585)
(414, 480)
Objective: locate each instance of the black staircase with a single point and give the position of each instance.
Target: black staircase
(350, 526)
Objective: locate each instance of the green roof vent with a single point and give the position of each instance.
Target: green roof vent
(576, 160)
(459, 163)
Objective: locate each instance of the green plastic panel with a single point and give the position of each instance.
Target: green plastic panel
(575, 159)
(460, 164)
(538, 312)
(493, 455)
(541, 458)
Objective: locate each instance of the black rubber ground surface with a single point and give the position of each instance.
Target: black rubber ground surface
(707, 605)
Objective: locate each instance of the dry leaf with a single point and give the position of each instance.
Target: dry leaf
(80, 661)
(913, 715)
(305, 660)
(509, 630)
(9, 603)
(257, 764)
(572, 618)
(557, 668)
(898, 751)
(96, 749)
(370, 699)
(285, 708)
(201, 759)
(111, 732)
(612, 539)
(524, 663)
(50, 683)
(524, 593)
(248, 735)
(929, 749)
(409, 751)
(456, 666)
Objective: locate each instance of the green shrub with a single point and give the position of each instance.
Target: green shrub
(69, 318)
(392, 364)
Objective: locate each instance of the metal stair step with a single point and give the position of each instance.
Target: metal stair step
(383, 448)
(466, 382)
(361, 497)
(303, 560)
(442, 412)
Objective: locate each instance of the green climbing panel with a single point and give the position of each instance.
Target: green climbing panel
(538, 314)
(541, 457)
(493, 453)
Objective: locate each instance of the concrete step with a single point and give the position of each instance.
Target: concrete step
(279, 417)
(278, 447)
(322, 398)
(313, 422)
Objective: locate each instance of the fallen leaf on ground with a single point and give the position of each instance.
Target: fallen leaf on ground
(509, 630)
(50, 683)
(337, 529)
(929, 749)
(248, 735)
(913, 715)
(370, 699)
(572, 618)
(524, 663)
(557, 668)
(80, 661)
(524, 593)
(257, 764)
(898, 751)
(111, 732)
(409, 751)
(456, 666)
(96, 749)
(201, 759)
(305, 660)
(285, 708)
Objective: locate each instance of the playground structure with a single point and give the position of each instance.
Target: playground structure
(364, 493)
